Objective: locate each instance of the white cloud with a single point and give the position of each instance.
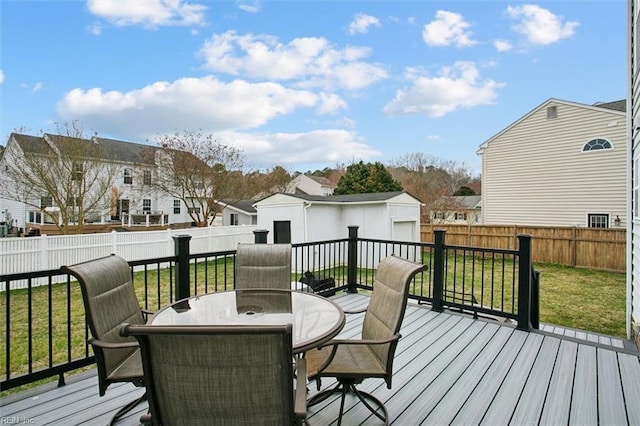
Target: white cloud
(187, 103)
(95, 28)
(455, 87)
(308, 61)
(448, 28)
(148, 13)
(362, 22)
(539, 25)
(328, 145)
(1, 77)
(502, 45)
(37, 87)
(249, 8)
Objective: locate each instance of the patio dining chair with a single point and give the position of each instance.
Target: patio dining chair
(221, 375)
(352, 361)
(110, 300)
(263, 266)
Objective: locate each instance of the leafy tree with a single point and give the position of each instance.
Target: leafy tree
(202, 172)
(65, 176)
(465, 190)
(366, 178)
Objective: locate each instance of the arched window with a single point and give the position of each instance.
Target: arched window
(596, 144)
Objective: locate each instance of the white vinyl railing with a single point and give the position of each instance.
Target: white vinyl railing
(32, 254)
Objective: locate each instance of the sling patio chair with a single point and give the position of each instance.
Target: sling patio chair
(220, 375)
(263, 266)
(352, 361)
(110, 300)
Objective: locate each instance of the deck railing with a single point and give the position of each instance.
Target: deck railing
(45, 332)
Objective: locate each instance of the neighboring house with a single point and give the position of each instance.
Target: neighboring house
(240, 212)
(130, 196)
(633, 177)
(310, 185)
(461, 209)
(562, 164)
(297, 218)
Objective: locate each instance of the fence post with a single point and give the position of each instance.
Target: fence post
(524, 282)
(44, 252)
(260, 236)
(352, 259)
(438, 269)
(182, 279)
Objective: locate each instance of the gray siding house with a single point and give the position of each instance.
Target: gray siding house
(561, 164)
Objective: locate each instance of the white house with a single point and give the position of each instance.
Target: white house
(298, 218)
(561, 164)
(633, 167)
(459, 210)
(129, 195)
(240, 212)
(310, 185)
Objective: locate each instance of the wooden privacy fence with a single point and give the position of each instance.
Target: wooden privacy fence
(603, 249)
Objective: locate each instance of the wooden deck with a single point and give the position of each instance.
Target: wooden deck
(448, 369)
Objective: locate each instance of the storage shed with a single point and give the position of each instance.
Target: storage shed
(298, 218)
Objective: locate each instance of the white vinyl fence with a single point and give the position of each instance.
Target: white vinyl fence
(42, 253)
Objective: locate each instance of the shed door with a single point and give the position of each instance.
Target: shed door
(281, 231)
(403, 231)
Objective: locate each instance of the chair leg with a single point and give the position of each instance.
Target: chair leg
(344, 387)
(125, 409)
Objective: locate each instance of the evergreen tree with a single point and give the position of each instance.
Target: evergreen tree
(366, 178)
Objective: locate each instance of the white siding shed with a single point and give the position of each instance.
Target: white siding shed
(387, 215)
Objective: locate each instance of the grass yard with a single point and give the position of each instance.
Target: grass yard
(583, 299)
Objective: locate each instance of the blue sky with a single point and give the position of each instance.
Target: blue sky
(302, 84)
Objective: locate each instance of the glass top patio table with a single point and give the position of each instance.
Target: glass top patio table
(315, 319)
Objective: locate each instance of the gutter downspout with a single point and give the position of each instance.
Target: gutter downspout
(306, 205)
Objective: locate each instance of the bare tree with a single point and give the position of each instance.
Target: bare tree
(431, 179)
(200, 171)
(65, 176)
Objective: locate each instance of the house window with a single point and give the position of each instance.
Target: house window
(77, 171)
(146, 206)
(46, 202)
(146, 177)
(461, 216)
(194, 210)
(128, 176)
(176, 206)
(597, 144)
(438, 215)
(597, 220)
(552, 112)
(234, 219)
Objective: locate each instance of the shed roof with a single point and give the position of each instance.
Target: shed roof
(348, 198)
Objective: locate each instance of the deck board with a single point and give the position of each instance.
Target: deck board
(557, 405)
(584, 403)
(448, 369)
(610, 400)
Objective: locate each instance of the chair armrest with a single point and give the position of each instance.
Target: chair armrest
(300, 401)
(146, 313)
(357, 311)
(337, 342)
(108, 345)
